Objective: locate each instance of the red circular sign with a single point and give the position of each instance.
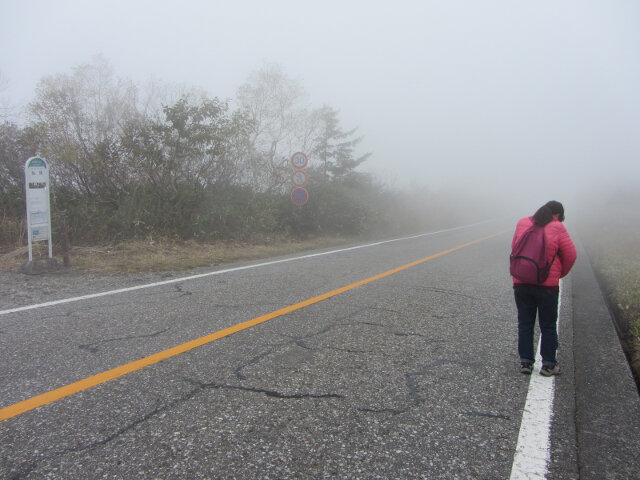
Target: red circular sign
(299, 160)
(299, 178)
(299, 196)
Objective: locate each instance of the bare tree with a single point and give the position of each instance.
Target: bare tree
(7, 112)
(273, 103)
(79, 119)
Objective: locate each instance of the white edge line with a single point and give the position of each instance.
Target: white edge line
(220, 272)
(533, 450)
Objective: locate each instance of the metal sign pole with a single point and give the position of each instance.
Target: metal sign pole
(29, 238)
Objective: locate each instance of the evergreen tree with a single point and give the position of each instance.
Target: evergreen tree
(334, 148)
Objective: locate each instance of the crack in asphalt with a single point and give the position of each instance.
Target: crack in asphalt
(340, 322)
(443, 290)
(349, 350)
(299, 341)
(296, 340)
(253, 361)
(488, 415)
(178, 287)
(373, 324)
(93, 347)
(27, 468)
(392, 411)
(267, 392)
(411, 381)
(408, 334)
(24, 472)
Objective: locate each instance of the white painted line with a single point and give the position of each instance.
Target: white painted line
(220, 272)
(533, 450)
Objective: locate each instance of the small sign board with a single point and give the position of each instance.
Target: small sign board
(299, 196)
(36, 179)
(299, 178)
(299, 160)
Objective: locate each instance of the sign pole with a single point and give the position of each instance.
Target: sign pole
(29, 239)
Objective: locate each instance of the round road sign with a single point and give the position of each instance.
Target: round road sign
(299, 160)
(299, 196)
(299, 178)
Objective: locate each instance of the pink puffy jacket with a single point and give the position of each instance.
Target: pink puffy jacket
(558, 242)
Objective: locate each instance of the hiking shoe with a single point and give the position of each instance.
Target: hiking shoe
(526, 368)
(548, 371)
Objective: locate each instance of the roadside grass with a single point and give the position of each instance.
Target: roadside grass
(614, 249)
(621, 276)
(161, 255)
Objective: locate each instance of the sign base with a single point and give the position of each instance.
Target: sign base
(40, 266)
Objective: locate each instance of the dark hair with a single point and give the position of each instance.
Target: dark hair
(546, 212)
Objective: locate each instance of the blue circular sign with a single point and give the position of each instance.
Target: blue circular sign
(299, 196)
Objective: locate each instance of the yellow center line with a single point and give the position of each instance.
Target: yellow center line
(103, 377)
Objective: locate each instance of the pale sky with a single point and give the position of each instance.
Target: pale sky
(527, 98)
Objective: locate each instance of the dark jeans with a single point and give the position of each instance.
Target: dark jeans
(543, 301)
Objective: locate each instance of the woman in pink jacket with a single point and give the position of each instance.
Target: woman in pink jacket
(542, 298)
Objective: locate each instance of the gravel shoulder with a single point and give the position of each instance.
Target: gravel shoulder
(18, 289)
(97, 269)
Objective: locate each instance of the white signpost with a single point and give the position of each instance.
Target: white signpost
(36, 179)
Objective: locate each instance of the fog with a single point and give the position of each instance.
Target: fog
(517, 102)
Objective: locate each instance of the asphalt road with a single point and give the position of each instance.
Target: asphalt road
(410, 375)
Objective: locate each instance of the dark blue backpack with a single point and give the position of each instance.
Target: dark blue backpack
(528, 260)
